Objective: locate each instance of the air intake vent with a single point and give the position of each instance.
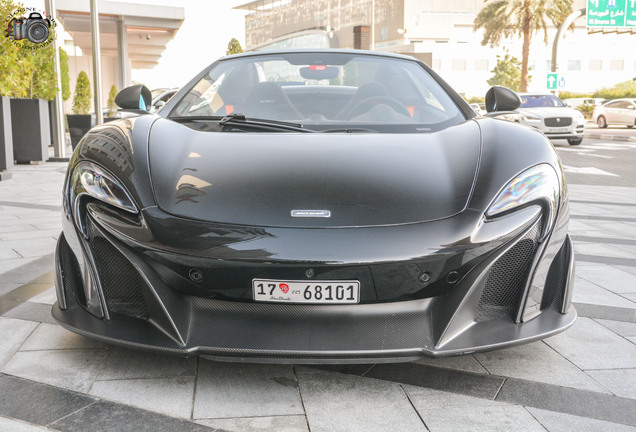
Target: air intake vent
(507, 279)
(557, 278)
(71, 275)
(120, 281)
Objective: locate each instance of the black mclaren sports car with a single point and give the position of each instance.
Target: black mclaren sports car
(315, 206)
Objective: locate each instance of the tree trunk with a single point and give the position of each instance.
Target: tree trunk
(525, 53)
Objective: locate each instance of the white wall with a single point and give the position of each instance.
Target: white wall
(110, 76)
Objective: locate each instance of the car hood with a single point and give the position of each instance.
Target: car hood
(350, 179)
(547, 112)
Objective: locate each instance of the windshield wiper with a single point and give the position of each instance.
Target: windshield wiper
(349, 130)
(239, 119)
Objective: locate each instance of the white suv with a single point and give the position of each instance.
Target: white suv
(551, 116)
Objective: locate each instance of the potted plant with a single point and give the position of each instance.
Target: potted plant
(30, 122)
(112, 107)
(28, 78)
(80, 121)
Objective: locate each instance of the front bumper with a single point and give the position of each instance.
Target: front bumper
(509, 289)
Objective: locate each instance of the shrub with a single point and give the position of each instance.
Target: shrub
(586, 110)
(625, 89)
(111, 100)
(573, 95)
(233, 47)
(25, 72)
(66, 81)
(82, 95)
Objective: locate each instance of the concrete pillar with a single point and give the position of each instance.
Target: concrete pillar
(97, 63)
(122, 52)
(59, 140)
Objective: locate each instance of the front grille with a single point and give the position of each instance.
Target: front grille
(558, 121)
(121, 282)
(507, 278)
(71, 275)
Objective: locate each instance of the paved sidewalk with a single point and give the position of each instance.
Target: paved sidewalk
(50, 379)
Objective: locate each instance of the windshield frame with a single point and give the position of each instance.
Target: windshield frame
(464, 112)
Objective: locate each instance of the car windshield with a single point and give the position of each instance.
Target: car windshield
(534, 101)
(323, 91)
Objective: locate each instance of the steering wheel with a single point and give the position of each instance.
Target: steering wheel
(368, 103)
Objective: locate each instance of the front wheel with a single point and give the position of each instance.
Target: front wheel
(602, 123)
(575, 141)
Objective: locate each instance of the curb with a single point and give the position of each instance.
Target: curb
(611, 137)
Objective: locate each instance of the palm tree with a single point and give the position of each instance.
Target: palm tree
(505, 18)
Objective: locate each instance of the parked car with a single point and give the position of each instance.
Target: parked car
(315, 206)
(477, 108)
(616, 112)
(161, 97)
(577, 102)
(551, 116)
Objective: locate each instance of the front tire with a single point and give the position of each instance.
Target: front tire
(602, 123)
(575, 141)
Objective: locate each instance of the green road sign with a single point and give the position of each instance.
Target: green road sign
(552, 81)
(611, 13)
(630, 14)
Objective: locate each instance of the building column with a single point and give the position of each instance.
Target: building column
(122, 53)
(97, 63)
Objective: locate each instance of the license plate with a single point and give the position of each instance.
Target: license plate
(558, 130)
(318, 292)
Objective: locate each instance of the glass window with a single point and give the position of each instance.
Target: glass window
(615, 105)
(320, 90)
(533, 101)
(574, 65)
(616, 65)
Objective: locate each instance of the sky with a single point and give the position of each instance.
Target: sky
(202, 38)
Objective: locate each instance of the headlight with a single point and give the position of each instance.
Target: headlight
(94, 181)
(539, 185)
(530, 118)
(578, 114)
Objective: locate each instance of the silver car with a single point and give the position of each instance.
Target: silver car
(617, 111)
(551, 116)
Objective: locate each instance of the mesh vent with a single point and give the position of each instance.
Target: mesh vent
(121, 283)
(506, 280)
(558, 121)
(71, 275)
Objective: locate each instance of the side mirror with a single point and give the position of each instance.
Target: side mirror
(499, 99)
(135, 98)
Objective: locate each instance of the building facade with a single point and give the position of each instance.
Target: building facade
(440, 33)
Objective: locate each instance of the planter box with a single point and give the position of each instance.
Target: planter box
(6, 138)
(31, 130)
(78, 125)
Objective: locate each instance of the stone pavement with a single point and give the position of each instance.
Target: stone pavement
(50, 379)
